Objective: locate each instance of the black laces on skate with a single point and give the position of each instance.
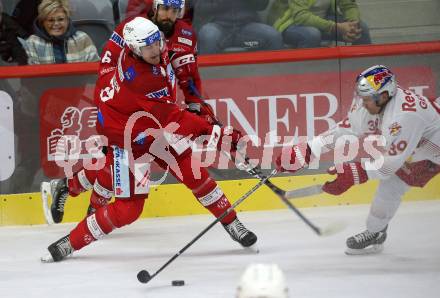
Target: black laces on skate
(60, 193)
(364, 236)
(61, 201)
(237, 229)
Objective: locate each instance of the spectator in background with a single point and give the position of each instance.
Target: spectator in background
(145, 8)
(10, 48)
(55, 39)
(305, 23)
(233, 23)
(25, 13)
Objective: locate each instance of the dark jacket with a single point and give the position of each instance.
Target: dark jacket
(25, 13)
(228, 11)
(10, 48)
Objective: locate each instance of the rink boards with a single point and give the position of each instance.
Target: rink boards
(175, 199)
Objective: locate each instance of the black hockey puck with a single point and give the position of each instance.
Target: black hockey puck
(178, 283)
(143, 276)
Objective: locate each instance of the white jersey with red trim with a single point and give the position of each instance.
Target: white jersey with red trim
(409, 124)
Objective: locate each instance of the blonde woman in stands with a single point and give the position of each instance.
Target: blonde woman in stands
(55, 39)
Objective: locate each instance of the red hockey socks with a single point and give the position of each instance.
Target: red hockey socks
(213, 199)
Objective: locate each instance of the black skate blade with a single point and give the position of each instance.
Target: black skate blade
(369, 250)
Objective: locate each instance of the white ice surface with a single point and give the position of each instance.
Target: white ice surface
(314, 266)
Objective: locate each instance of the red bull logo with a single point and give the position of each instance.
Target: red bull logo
(379, 78)
(395, 129)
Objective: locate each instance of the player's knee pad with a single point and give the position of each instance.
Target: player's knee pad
(124, 212)
(100, 195)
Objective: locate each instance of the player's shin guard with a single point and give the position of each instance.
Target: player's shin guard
(213, 199)
(105, 220)
(217, 203)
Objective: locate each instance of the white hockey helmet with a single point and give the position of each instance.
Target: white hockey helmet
(375, 80)
(179, 4)
(262, 281)
(140, 32)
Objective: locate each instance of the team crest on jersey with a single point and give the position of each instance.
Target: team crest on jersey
(395, 129)
(186, 32)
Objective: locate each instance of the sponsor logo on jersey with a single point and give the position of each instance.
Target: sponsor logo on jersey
(117, 164)
(395, 129)
(159, 93)
(171, 75)
(185, 40)
(130, 74)
(117, 39)
(179, 48)
(186, 32)
(186, 59)
(121, 179)
(106, 70)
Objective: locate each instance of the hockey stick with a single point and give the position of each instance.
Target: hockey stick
(284, 196)
(143, 276)
(303, 192)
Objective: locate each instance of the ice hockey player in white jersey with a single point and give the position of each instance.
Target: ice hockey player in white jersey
(408, 125)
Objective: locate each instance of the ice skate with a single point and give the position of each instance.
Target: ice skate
(90, 210)
(58, 250)
(59, 193)
(239, 233)
(366, 242)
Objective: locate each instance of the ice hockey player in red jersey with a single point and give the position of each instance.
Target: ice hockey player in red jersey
(143, 81)
(181, 41)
